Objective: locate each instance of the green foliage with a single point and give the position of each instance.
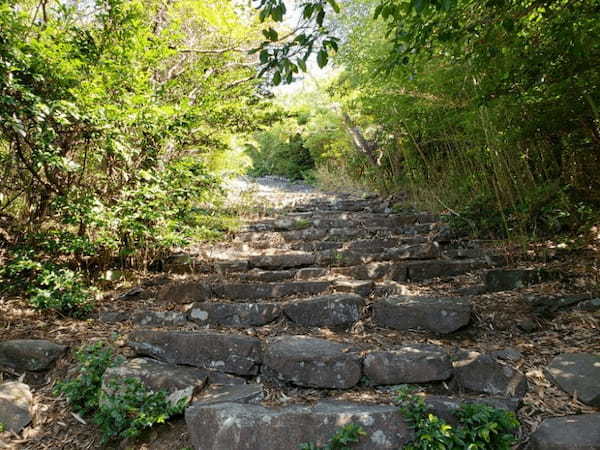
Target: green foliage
(130, 409)
(83, 391)
(124, 408)
(480, 427)
(342, 440)
(2, 427)
(48, 286)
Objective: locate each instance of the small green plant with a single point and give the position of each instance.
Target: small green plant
(341, 440)
(480, 427)
(2, 427)
(302, 224)
(124, 408)
(83, 391)
(130, 408)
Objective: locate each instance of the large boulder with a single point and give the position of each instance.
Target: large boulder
(326, 311)
(239, 355)
(228, 426)
(484, 374)
(16, 402)
(417, 363)
(30, 354)
(577, 373)
(440, 315)
(568, 433)
(234, 314)
(312, 362)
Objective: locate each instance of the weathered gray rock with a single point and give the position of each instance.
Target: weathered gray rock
(328, 311)
(29, 354)
(16, 402)
(235, 314)
(227, 426)
(177, 381)
(113, 316)
(282, 261)
(267, 276)
(184, 292)
(417, 363)
(486, 375)
(577, 373)
(230, 266)
(505, 280)
(590, 305)
(257, 291)
(307, 273)
(418, 251)
(445, 407)
(240, 355)
(360, 287)
(245, 393)
(374, 271)
(440, 315)
(312, 362)
(159, 318)
(568, 433)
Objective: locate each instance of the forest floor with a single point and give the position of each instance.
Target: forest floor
(501, 320)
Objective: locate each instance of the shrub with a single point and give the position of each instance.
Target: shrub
(480, 427)
(122, 410)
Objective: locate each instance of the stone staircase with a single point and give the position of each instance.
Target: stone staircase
(306, 321)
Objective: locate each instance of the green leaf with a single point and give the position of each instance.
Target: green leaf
(322, 58)
(302, 64)
(334, 5)
(277, 78)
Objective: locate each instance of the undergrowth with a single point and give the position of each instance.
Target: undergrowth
(341, 440)
(479, 427)
(122, 409)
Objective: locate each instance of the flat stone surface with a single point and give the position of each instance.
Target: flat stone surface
(417, 363)
(426, 270)
(577, 373)
(445, 407)
(360, 287)
(440, 315)
(257, 291)
(282, 261)
(16, 402)
(245, 393)
(568, 433)
(228, 426)
(486, 375)
(113, 316)
(418, 251)
(235, 314)
(268, 276)
(30, 354)
(159, 318)
(158, 376)
(328, 311)
(239, 355)
(307, 273)
(312, 362)
(183, 292)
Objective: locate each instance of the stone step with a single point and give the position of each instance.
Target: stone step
(234, 426)
(581, 432)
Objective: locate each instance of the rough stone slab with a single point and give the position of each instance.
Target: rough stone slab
(158, 376)
(229, 426)
(113, 316)
(310, 272)
(341, 258)
(310, 234)
(182, 292)
(418, 251)
(371, 271)
(245, 393)
(568, 433)
(505, 280)
(417, 363)
(485, 375)
(239, 355)
(235, 314)
(360, 287)
(577, 373)
(30, 354)
(426, 270)
(440, 315)
(312, 362)
(292, 224)
(445, 407)
(268, 276)
(327, 311)
(257, 291)
(16, 402)
(282, 261)
(159, 318)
